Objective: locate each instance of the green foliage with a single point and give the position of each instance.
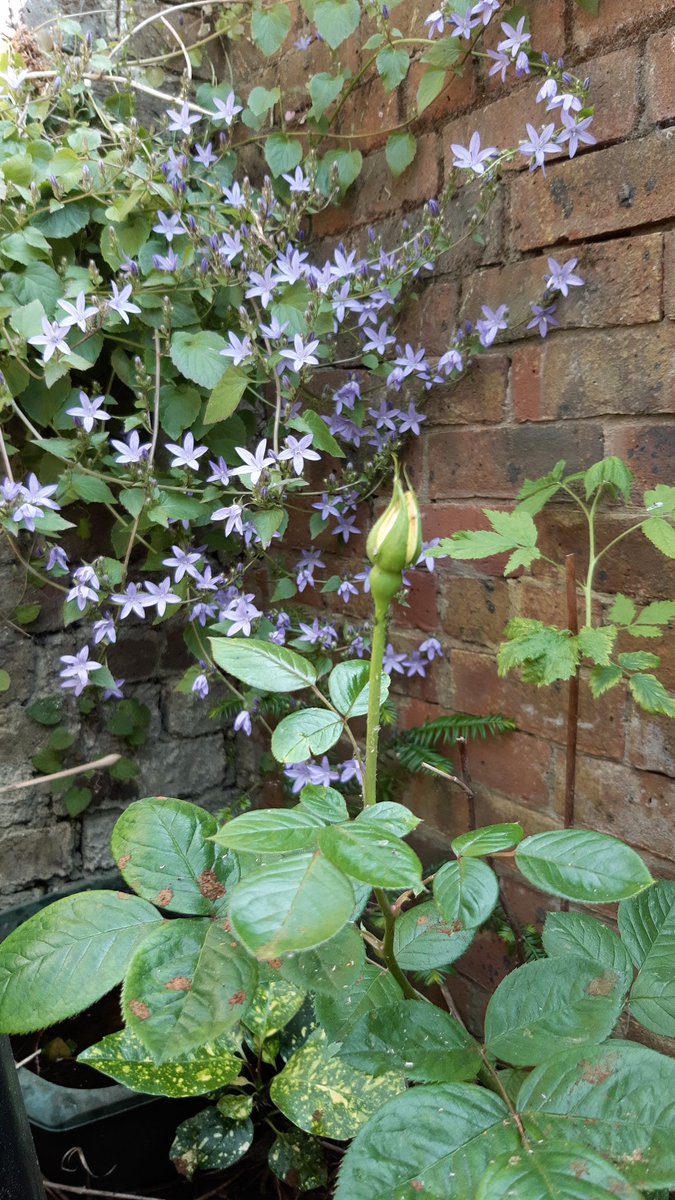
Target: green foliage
(511, 531)
(263, 665)
(297, 1159)
(647, 927)
(210, 1142)
(466, 892)
(579, 864)
(85, 941)
(400, 152)
(124, 1057)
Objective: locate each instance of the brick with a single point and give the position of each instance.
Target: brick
(377, 194)
(660, 77)
(516, 765)
(651, 743)
(474, 610)
(621, 187)
(477, 688)
(459, 93)
(136, 655)
(493, 809)
(496, 462)
(669, 276)
(616, 18)
(478, 396)
(487, 961)
(648, 449)
(545, 602)
(369, 114)
(430, 318)
(623, 286)
(590, 373)
(634, 566)
(636, 806)
(439, 804)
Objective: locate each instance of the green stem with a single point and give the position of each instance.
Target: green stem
(373, 731)
(592, 558)
(388, 947)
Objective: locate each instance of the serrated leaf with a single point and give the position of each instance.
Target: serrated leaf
(616, 1098)
(488, 840)
(423, 939)
(330, 967)
(188, 983)
(348, 688)
(466, 892)
(337, 1012)
(579, 864)
(536, 493)
(647, 926)
(84, 942)
(651, 695)
(510, 531)
(661, 497)
(577, 933)
(294, 904)
(226, 394)
(543, 653)
(336, 20)
(371, 854)
(597, 643)
(197, 356)
(546, 1007)
(270, 27)
(400, 152)
(622, 611)
(602, 679)
(417, 1141)
(429, 1046)
(661, 534)
(270, 830)
(611, 472)
(209, 1142)
(661, 612)
(262, 664)
(124, 1057)
(562, 1171)
(162, 847)
(639, 660)
(327, 1097)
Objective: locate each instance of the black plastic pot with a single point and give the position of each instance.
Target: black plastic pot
(102, 1134)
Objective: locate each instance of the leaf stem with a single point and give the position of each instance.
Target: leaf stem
(373, 730)
(388, 954)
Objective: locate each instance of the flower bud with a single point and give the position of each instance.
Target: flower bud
(395, 541)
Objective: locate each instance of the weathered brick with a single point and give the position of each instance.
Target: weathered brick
(474, 610)
(431, 317)
(621, 187)
(623, 281)
(480, 395)
(633, 566)
(370, 113)
(615, 18)
(591, 373)
(648, 449)
(377, 194)
(636, 806)
(669, 276)
(660, 77)
(496, 462)
(515, 764)
(477, 688)
(651, 742)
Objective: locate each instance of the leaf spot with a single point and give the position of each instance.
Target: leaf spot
(164, 897)
(604, 985)
(238, 998)
(596, 1072)
(417, 1185)
(275, 963)
(180, 983)
(139, 1009)
(210, 886)
(124, 861)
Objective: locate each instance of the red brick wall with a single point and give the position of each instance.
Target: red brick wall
(603, 384)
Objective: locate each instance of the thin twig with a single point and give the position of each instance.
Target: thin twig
(5, 457)
(465, 775)
(447, 775)
(183, 48)
(155, 17)
(108, 760)
(450, 1003)
(22, 417)
(572, 697)
(89, 1191)
(28, 1059)
(153, 447)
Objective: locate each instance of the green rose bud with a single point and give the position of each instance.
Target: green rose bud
(395, 541)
